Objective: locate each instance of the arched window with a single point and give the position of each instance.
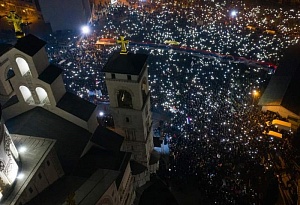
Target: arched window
(10, 73)
(144, 89)
(42, 95)
(26, 94)
(23, 66)
(124, 99)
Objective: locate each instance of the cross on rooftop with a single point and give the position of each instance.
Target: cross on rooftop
(123, 43)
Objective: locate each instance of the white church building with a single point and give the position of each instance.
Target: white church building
(61, 154)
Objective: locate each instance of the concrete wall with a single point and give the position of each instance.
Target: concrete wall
(41, 61)
(59, 88)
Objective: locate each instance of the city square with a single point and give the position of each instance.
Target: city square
(209, 64)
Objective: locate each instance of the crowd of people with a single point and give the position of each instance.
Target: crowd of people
(217, 131)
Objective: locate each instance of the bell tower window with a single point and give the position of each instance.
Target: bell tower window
(124, 99)
(23, 66)
(26, 93)
(42, 95)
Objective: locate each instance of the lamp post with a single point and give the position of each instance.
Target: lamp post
(254, 94)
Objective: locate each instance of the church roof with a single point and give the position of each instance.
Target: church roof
(107, 139)
(30, 44)
(50, 74)
(88, 190)
(275, 91)
(95, 187)
(136, 167)
(97, 158)
(283, 88)
(76, 106)
(4, 48)
(126, 63)
(39, 122)
(11, 101)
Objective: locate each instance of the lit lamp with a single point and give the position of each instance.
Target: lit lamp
(255, 94)
(85, 29)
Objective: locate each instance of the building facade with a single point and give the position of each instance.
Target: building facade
(36, 82)
(126, 77)
(9, 162)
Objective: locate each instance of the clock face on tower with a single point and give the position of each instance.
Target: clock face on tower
(124, 99)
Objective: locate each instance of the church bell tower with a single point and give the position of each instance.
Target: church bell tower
(126, 76)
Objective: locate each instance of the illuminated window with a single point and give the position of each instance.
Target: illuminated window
(26, 93)
(23, 66)
(42, 95)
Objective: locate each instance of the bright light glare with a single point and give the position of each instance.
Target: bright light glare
(101, 114)
(22, 149)
(233, 13)
(85, 29)
(20, 176)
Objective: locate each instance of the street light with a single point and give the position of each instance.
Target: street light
(85, 29)
(255, 94)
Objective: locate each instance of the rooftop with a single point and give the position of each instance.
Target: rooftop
(87, 190)
(94, 188)
(11, 101)
(4, 48)
(37, 150)
(283, 88)
(71, 139)
(77, 106)
(50, 74)
(275, 90)
(97, 158)
(30, 44)
(126, 63)
(137, 168)
(107, 139)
